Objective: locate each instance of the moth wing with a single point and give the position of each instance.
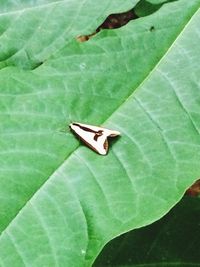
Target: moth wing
(113, 133)
(88, 139)
(109, 132)
(92, 127)
(99, 144)
(102, 146)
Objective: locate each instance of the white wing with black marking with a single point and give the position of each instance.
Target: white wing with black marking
(93, 136)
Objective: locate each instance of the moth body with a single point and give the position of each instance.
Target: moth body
(93, 136)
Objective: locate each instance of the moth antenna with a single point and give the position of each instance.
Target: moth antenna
(67, 121)
(64, 130)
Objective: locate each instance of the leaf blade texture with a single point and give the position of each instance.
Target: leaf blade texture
(60, 202)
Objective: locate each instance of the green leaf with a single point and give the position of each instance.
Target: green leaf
(171, 241)
(32, 31)
(61, 202)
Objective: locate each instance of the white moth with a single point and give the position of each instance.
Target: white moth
(93, 136)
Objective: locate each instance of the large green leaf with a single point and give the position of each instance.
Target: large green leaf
(61, 202)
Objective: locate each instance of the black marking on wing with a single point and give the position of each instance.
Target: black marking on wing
(97, 133)
(85, 128)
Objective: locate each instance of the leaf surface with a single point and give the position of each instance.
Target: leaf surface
(61, 202)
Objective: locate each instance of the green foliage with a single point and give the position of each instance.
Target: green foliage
(60, 202)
